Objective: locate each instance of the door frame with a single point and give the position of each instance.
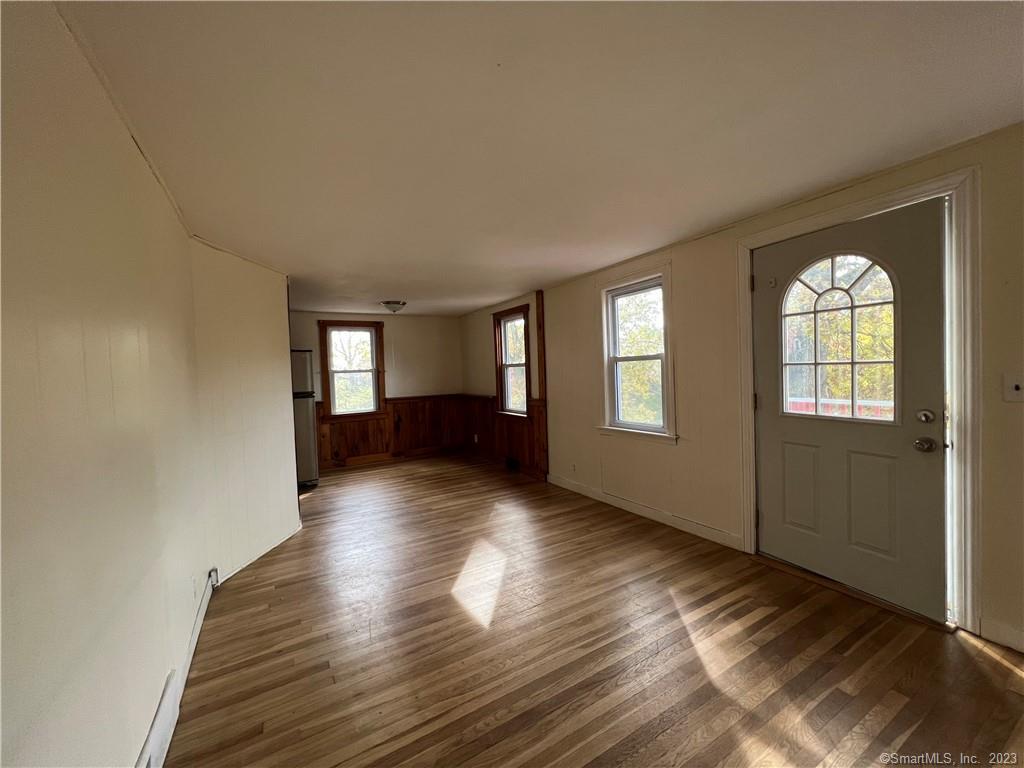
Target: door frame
(962, 347)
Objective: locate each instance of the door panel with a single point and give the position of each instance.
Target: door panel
(800, 489)
(842, 491)
(871, 499)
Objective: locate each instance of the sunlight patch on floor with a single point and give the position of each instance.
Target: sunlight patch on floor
(987, 649)
(479, 583)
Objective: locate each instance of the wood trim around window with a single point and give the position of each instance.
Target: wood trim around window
(325, 370)
(524, 310)
(542, 362)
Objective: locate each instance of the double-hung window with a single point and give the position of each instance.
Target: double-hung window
(512, 348)
(351, 359)
(637, 368)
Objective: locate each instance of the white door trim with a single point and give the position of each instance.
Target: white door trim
(963, 361)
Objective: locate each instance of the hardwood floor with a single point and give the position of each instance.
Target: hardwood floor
(445, 612)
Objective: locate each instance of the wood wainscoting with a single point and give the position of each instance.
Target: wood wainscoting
(517, 441)
(411, 427)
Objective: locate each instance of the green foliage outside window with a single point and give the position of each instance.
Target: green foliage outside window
(839, 340)
(351, 361)
(639, 332)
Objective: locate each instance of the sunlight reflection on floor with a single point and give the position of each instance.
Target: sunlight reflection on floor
(479, 582)
(985, 648)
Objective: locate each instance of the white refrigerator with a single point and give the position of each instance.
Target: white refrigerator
(304, 403)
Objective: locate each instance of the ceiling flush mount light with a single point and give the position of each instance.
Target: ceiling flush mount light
(392, 305)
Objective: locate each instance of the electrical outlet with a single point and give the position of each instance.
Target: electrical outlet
(1013, 387)
(476, 438)
(195, 588)
(574, 469)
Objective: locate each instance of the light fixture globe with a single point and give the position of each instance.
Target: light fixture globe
(392, 305)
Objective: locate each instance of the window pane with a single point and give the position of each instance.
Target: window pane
(876, 335)
(351, 350)
(876, 392)
(638, 392)
(799, 333)
(800, 298)
(799, 389)
(515, 388)
(515, 340)
(873, 286)
(848, 269)
(353, 392)
(834, 338)
(639, 323)
(833, 300)
(819, 275)
(835, 390)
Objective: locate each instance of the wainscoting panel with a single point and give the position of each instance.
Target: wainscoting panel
(411, 427)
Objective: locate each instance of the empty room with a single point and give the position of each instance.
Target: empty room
(512, 384)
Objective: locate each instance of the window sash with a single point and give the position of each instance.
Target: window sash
(613, 358)
(630, 290)
(374, 405)
(506, 391)
(504, 364)
(373, 349)
(505, 323)
(619, 420)
(374, 373)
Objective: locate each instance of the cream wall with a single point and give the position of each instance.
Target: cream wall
(245, 412)
(146, 434)
(694, 483)
(478, 372)
(422, 355)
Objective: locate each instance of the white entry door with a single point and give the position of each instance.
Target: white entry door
(848, 356)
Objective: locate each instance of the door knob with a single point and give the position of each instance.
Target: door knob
(925, 445)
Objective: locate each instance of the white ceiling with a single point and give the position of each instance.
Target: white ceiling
(454, 155)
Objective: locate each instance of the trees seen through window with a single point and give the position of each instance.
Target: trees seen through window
(636, 320)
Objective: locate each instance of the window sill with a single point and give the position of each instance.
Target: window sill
(380, 413)
(513, 413)
(658, 437)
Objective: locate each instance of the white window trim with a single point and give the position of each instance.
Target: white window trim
(374, 370)
(505, 407)
(634, 284)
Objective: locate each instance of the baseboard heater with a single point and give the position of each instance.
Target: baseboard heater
(158, 741)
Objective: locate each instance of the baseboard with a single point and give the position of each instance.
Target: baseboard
(1004, 634)
(725, 538)
(158, 741)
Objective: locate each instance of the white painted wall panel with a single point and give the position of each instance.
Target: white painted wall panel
(116, 455)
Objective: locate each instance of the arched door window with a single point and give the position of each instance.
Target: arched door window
(839, 341)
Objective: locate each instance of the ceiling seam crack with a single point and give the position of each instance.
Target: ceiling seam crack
(104, 82)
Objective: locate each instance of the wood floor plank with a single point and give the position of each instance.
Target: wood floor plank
(447, 612)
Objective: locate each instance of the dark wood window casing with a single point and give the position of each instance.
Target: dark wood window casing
(499, 354)
(326, 326)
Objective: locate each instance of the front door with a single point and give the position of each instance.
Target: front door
(848, 358)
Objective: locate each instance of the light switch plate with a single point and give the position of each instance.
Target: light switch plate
(1013, 387)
